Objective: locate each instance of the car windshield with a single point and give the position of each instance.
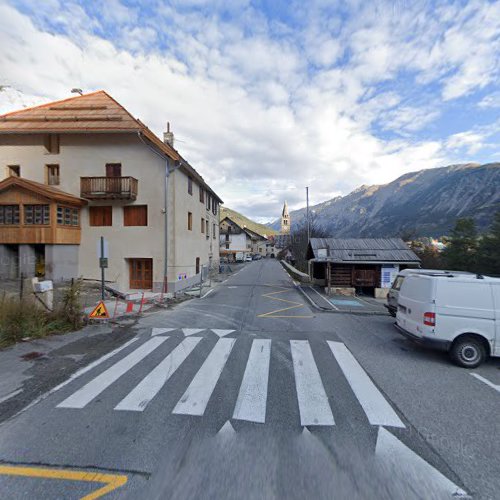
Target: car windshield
(398, 282)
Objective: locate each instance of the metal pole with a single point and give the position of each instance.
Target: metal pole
(307, 212)
(102, 268)
(201, 279)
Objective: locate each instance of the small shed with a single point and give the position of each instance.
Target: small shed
(358, 264)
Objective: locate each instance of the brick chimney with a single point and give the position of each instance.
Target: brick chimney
(168, 137)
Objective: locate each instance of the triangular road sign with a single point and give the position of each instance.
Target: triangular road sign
(99, 312)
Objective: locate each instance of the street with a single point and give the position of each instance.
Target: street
(250, 392)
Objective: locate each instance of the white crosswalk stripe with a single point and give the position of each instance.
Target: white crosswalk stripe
(252, 398)
(139, 398)
(251, 403)
(195, 399)
(375, 406)
(88, 392)
(313, 401)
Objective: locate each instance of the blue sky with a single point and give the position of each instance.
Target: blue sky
(267, 97)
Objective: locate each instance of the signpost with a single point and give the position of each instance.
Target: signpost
(100, 311)
(102, 252)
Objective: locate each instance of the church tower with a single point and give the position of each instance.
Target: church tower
(285, 220)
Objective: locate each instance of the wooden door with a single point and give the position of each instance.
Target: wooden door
(141, 274)
(364, 277)
(113, 178)
(113, 169)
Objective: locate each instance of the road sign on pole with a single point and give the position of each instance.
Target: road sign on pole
(102, 252)
(100, 311)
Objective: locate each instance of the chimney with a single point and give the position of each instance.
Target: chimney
(168, 137)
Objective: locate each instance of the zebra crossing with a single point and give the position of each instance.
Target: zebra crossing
(314, 405)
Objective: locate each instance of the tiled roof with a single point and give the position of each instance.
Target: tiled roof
(49, 192)
(93, 112)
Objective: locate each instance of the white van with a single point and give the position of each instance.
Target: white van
(458, 313)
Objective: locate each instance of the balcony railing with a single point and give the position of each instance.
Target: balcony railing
(106, 188)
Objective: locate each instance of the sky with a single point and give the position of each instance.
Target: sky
(267, 97)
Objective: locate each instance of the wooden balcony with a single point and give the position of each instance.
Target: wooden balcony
(108, 188)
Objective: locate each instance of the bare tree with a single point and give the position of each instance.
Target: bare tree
(299, 241)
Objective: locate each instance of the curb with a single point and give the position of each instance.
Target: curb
(346, 311)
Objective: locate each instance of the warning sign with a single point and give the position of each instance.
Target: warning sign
(99, 312)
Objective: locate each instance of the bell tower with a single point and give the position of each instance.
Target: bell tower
(285, 220)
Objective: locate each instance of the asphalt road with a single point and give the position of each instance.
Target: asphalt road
(251, 393)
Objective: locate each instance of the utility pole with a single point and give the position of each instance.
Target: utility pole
(307, 215)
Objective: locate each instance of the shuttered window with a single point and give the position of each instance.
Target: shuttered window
(101, 216)
(190, 185)
(52, 175)
(202, 225)
(135, 215)
(190, 221)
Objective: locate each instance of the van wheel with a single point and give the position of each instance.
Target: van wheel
(468, 352)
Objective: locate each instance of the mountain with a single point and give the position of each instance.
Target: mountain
(423, 203)
(243, 221)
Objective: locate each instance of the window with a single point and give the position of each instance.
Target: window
(9, 215)
(214, 206)
(100, 216)
(207, 229)
(113, 169)
(190, 185)
(190, 221)
(13, 171)
(52, 175)
(135, 215)
(214, 231)
(202, 225)
(202, 195)
(141, 273)
(197, 265)
(227, 246)
(208, 202)
(36, 214)
(68, 216)
(51, 143)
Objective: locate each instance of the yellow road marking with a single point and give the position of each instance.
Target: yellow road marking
(272, 314)
(112, 481)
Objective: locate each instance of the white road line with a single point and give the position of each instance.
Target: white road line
(313, 401)
(324, 298)
(222, 333)
(91, 390)
(486, 381)
(208, 293)
(149, 387)
(375, 406)
(414, 469)
(252, 398)
(161, 331)
(191, 331)
(195, 399)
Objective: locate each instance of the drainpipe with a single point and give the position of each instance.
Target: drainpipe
(168, 171)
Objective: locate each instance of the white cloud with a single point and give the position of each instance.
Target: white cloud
(262, 109)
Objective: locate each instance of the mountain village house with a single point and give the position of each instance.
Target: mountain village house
(235, 239)
(74, 170)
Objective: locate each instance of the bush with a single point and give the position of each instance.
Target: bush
(22, 318)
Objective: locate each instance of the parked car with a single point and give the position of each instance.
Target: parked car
(239, 257)
(392, 295)
(458, 313)
(248, 258)
(257, 256)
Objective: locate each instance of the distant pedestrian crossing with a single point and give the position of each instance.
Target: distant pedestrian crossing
(313, 403)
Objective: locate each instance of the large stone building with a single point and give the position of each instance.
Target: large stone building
(82, 168)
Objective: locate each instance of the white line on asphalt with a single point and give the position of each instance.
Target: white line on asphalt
(195, 399)
(208, 293)
(487, 382)
(376, 407)
(313, 401)
(191, 331)
(149, 387)
(414, 469)
(161, 331)
(252, 398)
(11, 395)
(222, 333)
(91, 390)
(324, 298)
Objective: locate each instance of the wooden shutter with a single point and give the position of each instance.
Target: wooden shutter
(135, 215)
(141, 273)
(101, 216)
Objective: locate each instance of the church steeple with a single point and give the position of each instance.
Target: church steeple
(285, 220)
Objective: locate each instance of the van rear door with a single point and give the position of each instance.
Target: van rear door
(416, 298)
